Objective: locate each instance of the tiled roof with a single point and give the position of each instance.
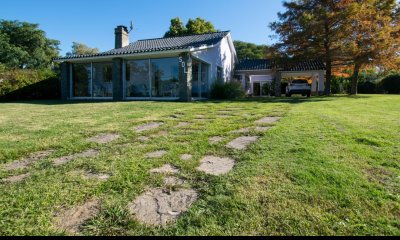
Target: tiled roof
(161, 44)
(266, 64)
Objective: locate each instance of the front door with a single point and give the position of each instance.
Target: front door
(257, 89)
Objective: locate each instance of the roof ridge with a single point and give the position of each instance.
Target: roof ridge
(191, 35)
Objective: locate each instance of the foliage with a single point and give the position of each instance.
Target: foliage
(193, 27)
(24, 45)
(82, 49)
(228, 90)
(23, 84)
(246, 50)
(391, 84)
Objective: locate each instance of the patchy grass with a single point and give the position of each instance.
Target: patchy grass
(330, 166)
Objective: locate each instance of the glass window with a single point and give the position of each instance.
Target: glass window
(195, 79)
(137, 78)
(165, 77)
(82, 80)
(102, 80)
(204, 80)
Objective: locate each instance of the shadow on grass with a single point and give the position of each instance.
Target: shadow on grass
(292, 100)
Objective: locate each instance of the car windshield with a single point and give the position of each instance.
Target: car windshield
(300, 82)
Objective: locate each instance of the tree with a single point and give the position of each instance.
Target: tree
(312, 29)
(82, 49)
(193, 27)
(372, 36)
(176, 29)
(246, 50)
(24, 45)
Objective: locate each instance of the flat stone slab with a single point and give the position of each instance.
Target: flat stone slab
(86, 154)
(157, 154)
(186, 157)
(148, 126)
(26, 162)
(215, 165)
(182, 124)
(16, 179)
(166, 169)
(215, 140)
(241, 143)
(243, 130)
(262, 129)
(158, 207)
(174, 181)
(268, 120)
(70, 220)
(143, 138)
(104, 138)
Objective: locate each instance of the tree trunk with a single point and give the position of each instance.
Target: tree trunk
(328, 77)
(354, 80)
(328, 58)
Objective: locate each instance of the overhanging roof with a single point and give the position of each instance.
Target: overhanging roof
(268, 64)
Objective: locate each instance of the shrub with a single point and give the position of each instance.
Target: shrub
(391, 84)
(229, 90)
(367, 87)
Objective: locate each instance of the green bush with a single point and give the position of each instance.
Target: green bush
(26, 84)
(390, 84)
(229, 90)
(368, 87)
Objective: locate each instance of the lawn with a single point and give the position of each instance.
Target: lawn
(330, 166)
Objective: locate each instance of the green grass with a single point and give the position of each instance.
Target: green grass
(329, 167)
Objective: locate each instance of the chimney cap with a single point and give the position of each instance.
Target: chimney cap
(122, 27)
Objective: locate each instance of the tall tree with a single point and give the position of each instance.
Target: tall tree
(24, 45)
(312, 29)
(246, 50)
(82, 49)
(372, 35)
(176, 29)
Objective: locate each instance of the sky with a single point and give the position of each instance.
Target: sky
(92, 22)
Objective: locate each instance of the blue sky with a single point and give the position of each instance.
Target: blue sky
(93, 21)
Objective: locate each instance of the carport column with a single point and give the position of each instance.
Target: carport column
(321, 83)
(278, 83)
(185, 77)
(117, 79)
(65, 80)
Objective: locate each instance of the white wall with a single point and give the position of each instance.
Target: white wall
(221, 55)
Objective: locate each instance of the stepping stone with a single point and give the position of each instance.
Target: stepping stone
(174, 181)
(86, 154)
(186, 157)
(71, 220)
(148, 127)
(182, 124)
(102, 177)
(215, 140)
(262, 129)
(143, 139)
(157, 154)
(243, 130)
(215, 165)
(24, 163)
(268, 120)
(241, 143)
(161, 134)
(158, 207)
(16, 179)
(104, 138)
(166, 169)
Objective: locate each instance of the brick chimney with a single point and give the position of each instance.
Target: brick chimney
(121, 37)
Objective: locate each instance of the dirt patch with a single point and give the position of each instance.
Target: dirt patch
(104, 138)
(71, 220)
(86, 154)
(241, 143)
(186, 157)
(166, 169)
(268, 120)
(148, 127)
(16, 179)
(216, 165)
(174, 181)
(24, 163)
(215, 140)
(182, 124)
(157, 154)
(158, 207)
(243, 130)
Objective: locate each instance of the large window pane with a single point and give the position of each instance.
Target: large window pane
(82, 80)
(137, 79)
(204, 80)
(102, 80)
(165, 77)
(195, 79)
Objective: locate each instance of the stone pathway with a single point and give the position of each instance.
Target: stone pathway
(24, 163)
(215, 140)
(100, 176)
(186, 157)
(241, 143)
(157, 154)
(182, 124)
(16, 179)
(166, 169)
(148, 127)
(86, 154)
(104, 138)
(215, 165)
(268, 120)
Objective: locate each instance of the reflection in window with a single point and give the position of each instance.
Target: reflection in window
(137, 79)
(165, 77)
(195, 79)
(204, 80)
(102, 80)
(82, 80)
(200, 80)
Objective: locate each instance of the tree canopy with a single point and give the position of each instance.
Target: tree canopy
(82, 49)
(193, 26)
(24, 45)
(246, 50)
